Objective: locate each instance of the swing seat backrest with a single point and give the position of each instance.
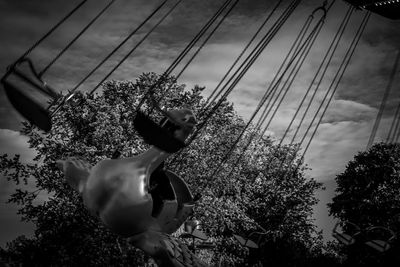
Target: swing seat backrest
(199, 234)
(378, 245)
(193, 230)
(28, 108)
(246, 242)
(19, 84)
(344, 238)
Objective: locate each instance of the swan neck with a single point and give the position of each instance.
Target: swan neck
(155, 157)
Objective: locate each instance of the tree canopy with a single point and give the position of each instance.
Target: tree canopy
(368, 195)
(251, 195)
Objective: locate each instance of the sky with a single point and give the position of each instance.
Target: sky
(345, 128)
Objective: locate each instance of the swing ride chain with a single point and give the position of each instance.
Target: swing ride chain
(199, 48)
(52, 30)
(23, 58)
(239, 73)
(394, 126)
(38, 75)
(265, 114)
(135, 47)
(71, 92)
(164, 76)
(383, 103)
(304, 49)
(244, 66)
(212, 98)
(342, 69)
(258, 52)
(45, 69)
(207, 38)
(322, 20)
(323, 8)
(320, 67)
(295, 70)
(333, 46)
(13, 69)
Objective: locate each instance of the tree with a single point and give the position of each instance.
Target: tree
(93, 127)
(368, 195)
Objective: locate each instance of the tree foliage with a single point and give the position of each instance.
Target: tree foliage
(368, 195)
(239, 198)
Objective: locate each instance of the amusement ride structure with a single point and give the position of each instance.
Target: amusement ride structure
(146, 202)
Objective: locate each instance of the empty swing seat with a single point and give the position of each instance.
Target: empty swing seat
(380, 238)
(20, 87)
(346, 238)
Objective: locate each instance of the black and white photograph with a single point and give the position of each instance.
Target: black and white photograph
(194, 133)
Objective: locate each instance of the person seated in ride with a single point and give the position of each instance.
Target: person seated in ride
(119, 190)
(135, 199)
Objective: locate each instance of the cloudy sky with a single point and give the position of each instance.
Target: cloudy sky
(345, 129)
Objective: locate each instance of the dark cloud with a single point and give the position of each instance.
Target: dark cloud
(348, 121)
(372, 64)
